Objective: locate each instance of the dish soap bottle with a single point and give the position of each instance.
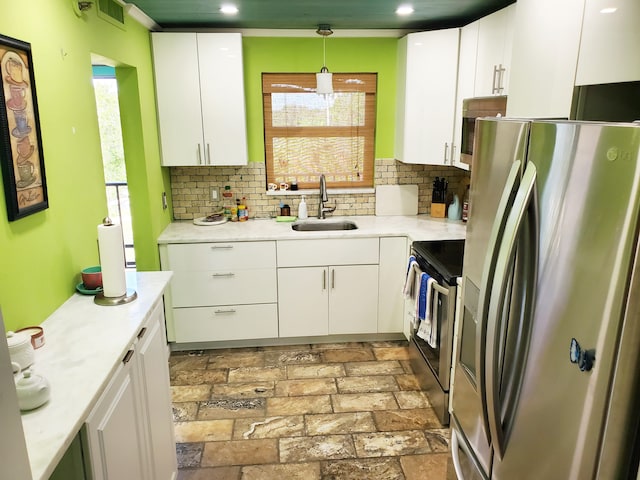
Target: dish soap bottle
(302, 209)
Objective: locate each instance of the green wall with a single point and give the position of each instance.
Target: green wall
(274, 54)
(42, 254)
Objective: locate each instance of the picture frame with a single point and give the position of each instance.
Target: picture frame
(21, 157)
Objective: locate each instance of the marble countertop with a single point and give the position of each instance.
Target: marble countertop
(84, 344)
(416, 227)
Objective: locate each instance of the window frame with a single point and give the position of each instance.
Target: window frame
(306, 83)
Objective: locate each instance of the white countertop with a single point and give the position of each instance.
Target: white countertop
(84, 344)
(416, 227)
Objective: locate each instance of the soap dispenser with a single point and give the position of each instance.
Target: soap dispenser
(302, 209)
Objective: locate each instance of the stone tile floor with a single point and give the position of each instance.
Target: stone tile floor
(325, 411)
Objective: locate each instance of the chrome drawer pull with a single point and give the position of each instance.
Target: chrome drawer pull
(224, 311)
(223, 274)
(217, 247)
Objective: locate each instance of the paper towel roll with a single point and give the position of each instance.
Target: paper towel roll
(111, 249)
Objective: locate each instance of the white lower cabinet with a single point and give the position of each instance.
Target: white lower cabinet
(327, 286)
(393, 261)
(129, 432)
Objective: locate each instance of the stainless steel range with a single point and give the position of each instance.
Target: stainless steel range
(431, 360)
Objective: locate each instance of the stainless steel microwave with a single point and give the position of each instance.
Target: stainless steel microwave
(473, 108)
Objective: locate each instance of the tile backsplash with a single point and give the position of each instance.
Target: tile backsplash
(190, 188)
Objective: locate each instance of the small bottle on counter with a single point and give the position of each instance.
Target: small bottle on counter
(227, 202)
(465, 205)
(243, 214)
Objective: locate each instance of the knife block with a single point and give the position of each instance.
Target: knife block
(438, 210)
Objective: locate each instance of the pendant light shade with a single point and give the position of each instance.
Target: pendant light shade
(324, 79)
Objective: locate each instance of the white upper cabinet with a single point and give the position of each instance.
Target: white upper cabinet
(609, 43)
(545, 53)
(495, 37)
(200, 95)
(427, 77)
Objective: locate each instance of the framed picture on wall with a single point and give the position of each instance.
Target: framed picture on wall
(21, 158)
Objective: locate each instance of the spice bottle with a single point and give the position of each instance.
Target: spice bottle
(227, 202)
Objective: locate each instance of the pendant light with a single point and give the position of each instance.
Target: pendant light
(324, 79)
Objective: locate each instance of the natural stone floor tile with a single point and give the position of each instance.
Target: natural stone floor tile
(425, 467)
(407, 382)
(358, 369)
(203, 431)
(236, 359)
(270, 427)
(363, 468)
(190, 393)
(315, 371)
(291, 357)
(414, 419)
(231, 408)
(189, 454)
(412, 399)
(243, 390)
(438, 439)
(406, 365)
(294, 471)
(199, 377)
(371, 383)
(258, 374)
(358, 402)
(333, 423)
(387, 444)
(388, 344)
(391, 353)
(215, 473)
(325, 447)
(311, 386)
(186, 362)
(348, 355)
(298, 405)
(240, 452)
(339, 346)
(281, 348)
(185, 411)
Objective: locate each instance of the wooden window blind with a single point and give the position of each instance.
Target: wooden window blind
(307, 134)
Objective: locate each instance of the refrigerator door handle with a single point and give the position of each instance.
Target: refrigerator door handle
(505, 259)
(497, 231)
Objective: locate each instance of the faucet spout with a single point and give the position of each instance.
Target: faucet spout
(323, 198)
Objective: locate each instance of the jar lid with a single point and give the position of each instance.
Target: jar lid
(15, 339)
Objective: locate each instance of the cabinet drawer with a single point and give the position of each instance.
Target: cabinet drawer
(220, 256)
(320, 252)
(234, 322)
(203, 288)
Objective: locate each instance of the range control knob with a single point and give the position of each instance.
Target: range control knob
(583, 358)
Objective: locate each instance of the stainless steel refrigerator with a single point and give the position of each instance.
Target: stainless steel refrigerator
(547, 380)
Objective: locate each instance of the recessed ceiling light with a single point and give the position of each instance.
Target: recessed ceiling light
(608, 10)
(229, 9)
(404, 10)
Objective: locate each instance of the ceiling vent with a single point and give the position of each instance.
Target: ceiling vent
(112, 12)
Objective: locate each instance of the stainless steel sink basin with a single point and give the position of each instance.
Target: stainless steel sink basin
(324, 225)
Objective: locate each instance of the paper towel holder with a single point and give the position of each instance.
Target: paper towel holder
(128, 297)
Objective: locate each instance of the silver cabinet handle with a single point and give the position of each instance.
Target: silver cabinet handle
(199, 155)
(221, 247)
(229, 274)
(127, 356)
(223, 312)
(446, 151)
(208, 154)
(494, 86)
(333, 278)
(324, 279)
(453, 153)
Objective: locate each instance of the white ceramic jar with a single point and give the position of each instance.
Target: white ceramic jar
(20, 350)
(33, 390)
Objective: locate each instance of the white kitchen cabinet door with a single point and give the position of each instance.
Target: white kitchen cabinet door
(113, 433)
(544, 58)
(426, 98)
(222, 94)
(153, 375)
(495, 37)
(303, 301)
(353, 290)
(609, 43)
(392, 270)
(466, 83)
(200, 96)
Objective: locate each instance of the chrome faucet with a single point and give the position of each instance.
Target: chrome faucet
(323, 198)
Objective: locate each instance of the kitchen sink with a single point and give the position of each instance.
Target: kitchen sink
(324, 225)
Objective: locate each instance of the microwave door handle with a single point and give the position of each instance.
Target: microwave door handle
(505, 259)
(497, 230)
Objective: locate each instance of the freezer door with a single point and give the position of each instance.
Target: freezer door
(585, 190)
(499, 156)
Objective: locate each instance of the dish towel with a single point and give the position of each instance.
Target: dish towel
(427, 330)
(409, 283)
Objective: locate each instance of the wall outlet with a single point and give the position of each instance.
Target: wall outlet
(164, 201)
(214, 194)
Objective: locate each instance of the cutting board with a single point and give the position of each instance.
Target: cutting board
(397, 200)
